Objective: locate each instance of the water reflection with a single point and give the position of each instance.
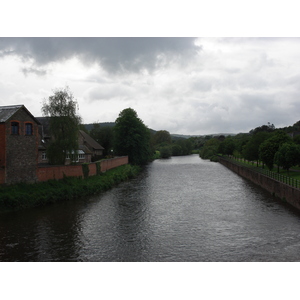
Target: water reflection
(49, 234)
(181, 209)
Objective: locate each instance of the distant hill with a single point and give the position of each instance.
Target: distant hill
(174, 136)
(104, 124)
(189, 136)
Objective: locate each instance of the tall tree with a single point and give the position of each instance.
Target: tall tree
(132, 137)
(162, 137)
(251, 149)
(210, 149)
(61, 108)
(104, 136)
(269, 147)
(287, 155)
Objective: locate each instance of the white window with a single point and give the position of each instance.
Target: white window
(44, 156)
(76, 158)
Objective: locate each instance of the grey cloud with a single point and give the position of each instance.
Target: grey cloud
(38, 72)
(109, 91)
(113, 54)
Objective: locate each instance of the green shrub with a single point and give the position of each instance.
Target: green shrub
(98, 168)
(85, 170)
(165, 152)
(20, 196)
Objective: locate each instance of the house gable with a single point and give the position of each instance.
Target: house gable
(90, 143)
(19, 144)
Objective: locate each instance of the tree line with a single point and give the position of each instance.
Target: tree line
(129, 136)
(265, 144)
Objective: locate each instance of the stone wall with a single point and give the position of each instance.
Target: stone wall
(21, 150)
(276, 188)
(58, 172)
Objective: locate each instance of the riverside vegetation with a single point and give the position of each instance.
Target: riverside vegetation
(21, 196)
(265, 144)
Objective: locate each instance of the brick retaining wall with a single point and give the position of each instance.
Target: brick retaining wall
(276, 188)
(58, 172)
(2, 176)
(113, 163)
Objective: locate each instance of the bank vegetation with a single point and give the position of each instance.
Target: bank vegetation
(264, 145)
(22, 196)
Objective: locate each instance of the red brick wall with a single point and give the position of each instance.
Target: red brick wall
(2, 144)
(2, 176)
(58, 172)
(93, 169)
(113, 163)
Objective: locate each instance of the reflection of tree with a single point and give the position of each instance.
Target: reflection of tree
(131, 216)
(112, 227)
(47, 234)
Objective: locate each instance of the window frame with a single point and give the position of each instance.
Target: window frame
(31, 126)
(44, 155)
(13, 125)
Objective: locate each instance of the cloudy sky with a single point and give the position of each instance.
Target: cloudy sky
(183, 85)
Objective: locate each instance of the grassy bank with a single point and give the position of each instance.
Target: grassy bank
(291, 177)
(294, 172)
(22, 196)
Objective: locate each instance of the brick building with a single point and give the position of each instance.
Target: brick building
(19, 141)
(88, 149)
(89, 146)
(23, 143)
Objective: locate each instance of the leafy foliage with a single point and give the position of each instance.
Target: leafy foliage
(263, 128)
(104, 135)
(21, 196)
(161, 137)
(210, 149)
(85, 170)
(132, 137)
(251, 149)
(288, 155)
(64, 125)
(165, 152)
(269, 147)
(227, 146)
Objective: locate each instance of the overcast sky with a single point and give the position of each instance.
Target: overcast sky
(183, 85)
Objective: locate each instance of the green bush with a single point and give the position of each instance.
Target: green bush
(85, 170)
(20, 196)
(98, 168)
(165, 152)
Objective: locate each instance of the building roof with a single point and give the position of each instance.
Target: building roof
(85, 149)
(44, 130)
(6, 112)
(89, 140)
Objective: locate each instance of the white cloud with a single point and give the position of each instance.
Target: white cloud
(219, 85)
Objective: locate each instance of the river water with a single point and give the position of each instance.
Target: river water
(179, 209)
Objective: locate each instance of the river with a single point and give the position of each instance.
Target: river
(179, 209)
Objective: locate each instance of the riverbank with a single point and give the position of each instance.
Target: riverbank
(281, 190)
(22, 196)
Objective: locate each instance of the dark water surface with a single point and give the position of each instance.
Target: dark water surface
(181, 209)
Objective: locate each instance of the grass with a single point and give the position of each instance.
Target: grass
(21, 196)
(288, 177)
